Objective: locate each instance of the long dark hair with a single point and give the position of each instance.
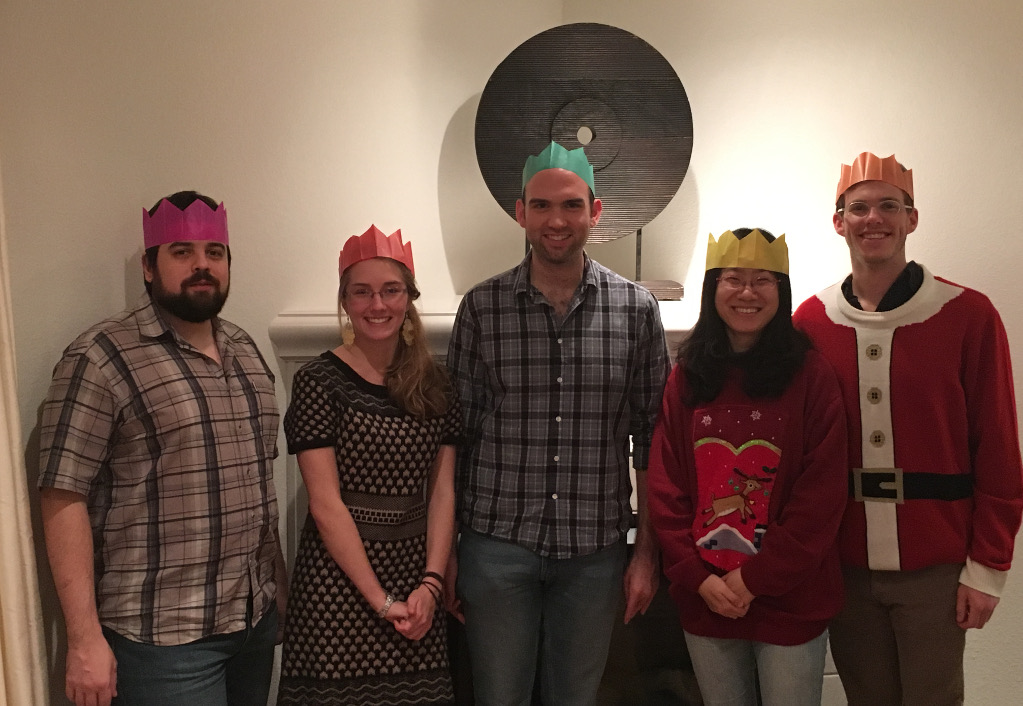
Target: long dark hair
(767, 368)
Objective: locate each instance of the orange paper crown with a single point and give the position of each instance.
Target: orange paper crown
(870, 167)
(752, 251)
(373, 243)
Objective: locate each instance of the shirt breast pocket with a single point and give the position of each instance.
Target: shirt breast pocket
(604, 356)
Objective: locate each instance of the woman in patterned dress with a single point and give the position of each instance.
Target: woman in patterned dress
(373, 423)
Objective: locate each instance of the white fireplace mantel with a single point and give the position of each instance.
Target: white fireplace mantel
(301, 336)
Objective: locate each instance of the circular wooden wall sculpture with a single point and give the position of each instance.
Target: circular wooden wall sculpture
(600, 83)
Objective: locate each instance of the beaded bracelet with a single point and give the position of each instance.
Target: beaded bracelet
(388, 602)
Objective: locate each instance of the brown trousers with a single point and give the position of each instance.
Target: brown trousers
(896, 641)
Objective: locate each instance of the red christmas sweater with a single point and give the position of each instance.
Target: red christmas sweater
(928, 389)
(759, 484)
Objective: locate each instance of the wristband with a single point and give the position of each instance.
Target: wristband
(433, 592)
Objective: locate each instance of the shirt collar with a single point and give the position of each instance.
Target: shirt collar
(151, 324)
(901, 291)
(523, 286)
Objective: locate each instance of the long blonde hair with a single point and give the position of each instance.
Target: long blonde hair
(414, 379)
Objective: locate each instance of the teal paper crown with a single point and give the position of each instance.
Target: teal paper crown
(555, 156)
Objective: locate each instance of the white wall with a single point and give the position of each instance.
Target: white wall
(312, 119)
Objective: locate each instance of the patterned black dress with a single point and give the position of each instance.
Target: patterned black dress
(336, 649)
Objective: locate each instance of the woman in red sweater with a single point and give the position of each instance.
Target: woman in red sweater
(747, 482)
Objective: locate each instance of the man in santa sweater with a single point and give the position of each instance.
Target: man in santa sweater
(936, 482)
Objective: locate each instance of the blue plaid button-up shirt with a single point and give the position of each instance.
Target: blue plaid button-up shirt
(550, 405)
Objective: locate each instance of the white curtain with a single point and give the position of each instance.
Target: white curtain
(22, 661)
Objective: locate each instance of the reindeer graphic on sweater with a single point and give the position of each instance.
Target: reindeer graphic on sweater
(736, 463)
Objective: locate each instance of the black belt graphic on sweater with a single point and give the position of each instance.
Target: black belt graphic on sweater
(891, 485)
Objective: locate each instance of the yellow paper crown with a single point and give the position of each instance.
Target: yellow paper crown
(753, 251)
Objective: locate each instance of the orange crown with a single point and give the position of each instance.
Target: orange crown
(870, 167)
(373, 243)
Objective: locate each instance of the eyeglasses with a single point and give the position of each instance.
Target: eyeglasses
(760, 283)
(861, 209)
(364, 295)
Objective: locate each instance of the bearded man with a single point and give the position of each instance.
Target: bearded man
(158, 436)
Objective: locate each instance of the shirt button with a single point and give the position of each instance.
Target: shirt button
(557, 458)
(877, 438)
(874, 395)
(559, 378)
(559, 341)
(558, 419)
(554, 496)
(874, 351)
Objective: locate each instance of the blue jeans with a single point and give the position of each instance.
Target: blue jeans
(520, 606)
(789, 675)
(232, 669)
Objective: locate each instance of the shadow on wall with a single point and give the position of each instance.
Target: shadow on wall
(479, 238)
(134, 282)
(54, 637)
(671, 241)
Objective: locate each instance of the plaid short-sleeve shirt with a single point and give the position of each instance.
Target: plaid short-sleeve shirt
(550, 405)
(174, 453)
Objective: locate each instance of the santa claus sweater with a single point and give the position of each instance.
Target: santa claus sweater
(928, 390)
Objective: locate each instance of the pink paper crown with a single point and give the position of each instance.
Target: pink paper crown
(169, 224)
(870, 167)
(373, 243)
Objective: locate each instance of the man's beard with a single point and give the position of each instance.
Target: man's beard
(194, 307)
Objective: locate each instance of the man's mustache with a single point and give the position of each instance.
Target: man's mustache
(201, 277)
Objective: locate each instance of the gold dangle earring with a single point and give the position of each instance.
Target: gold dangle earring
(347, 332)
(408, 333)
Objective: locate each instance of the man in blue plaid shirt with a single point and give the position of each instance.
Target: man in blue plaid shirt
(558, 362)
